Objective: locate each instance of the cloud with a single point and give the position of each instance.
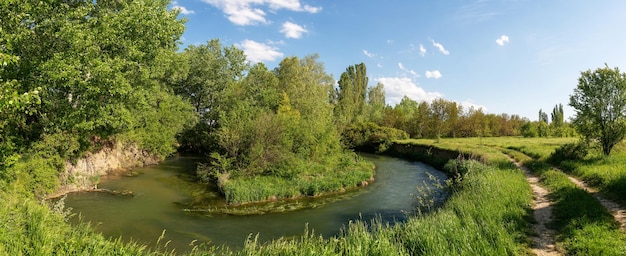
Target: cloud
(433, 74)
(369, 54)
(293, 30)
(502, 40)
(259, 52)
(440, 47)
(181, 9)
(397, 87)
(412, 72)
(422, 50)
(250, 12)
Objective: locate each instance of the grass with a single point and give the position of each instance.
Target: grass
(584, 226)
(487, 213)
(606, 173)
(309, 180)
(28, 227)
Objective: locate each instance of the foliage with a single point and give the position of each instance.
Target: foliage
(443, 118)
(375, 107)
(351, 96)
(369, 136)
(570, 151)
(31, 228)
(207, 72)
(600, 104)
(278, 128)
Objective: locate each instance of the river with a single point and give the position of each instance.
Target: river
(162, 193)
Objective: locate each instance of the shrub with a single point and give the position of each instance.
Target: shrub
(368, 136)
(569, 151)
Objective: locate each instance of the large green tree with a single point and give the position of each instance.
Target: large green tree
(351, 95)
(599, 102)
(77, 75)
(207, 73)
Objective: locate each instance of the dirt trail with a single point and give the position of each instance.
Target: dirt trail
(619, 213)
(543, 241)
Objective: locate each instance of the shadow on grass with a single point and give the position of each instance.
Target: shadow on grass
(616, 189)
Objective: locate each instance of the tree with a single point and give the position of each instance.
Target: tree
(211, 70)
(557, 126)
(376, 103)
(599, 102)
(542, 127)
(351, 95)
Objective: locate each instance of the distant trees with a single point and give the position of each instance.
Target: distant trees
(544, 128)
(599, 101)
(444, 118)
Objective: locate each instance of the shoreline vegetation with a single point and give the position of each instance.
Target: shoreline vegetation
(72, 82)
(486, 203)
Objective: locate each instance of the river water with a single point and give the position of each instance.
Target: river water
(162, 193)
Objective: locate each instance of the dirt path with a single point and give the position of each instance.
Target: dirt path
(543, 240)
(619, 213)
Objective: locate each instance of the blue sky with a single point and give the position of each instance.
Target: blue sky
(513, 57)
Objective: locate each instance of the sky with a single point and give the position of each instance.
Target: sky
(505, 56)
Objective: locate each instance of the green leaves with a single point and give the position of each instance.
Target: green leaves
(600, 104)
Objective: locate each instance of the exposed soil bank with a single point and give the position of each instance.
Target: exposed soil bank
(84, 174)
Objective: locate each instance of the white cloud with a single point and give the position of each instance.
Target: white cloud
(440, 47)
(369, 54)
(412, 72)
(293, 30)
(250, 12)
(433, 74)
(397, 87)
(259, 52)
(181, 9)
(422, 50)
(502, 40)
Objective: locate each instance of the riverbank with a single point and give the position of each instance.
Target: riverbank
(84, 174)
(485, 214)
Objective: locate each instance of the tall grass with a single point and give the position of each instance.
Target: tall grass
(606, 173)
(487, 214)
(584, 226)
(31, 228)
(310, 180)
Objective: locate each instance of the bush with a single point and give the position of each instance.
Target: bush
(368, 136)
(570, 151)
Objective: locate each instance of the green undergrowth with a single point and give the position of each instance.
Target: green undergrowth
(28, 227)
(309, 180)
